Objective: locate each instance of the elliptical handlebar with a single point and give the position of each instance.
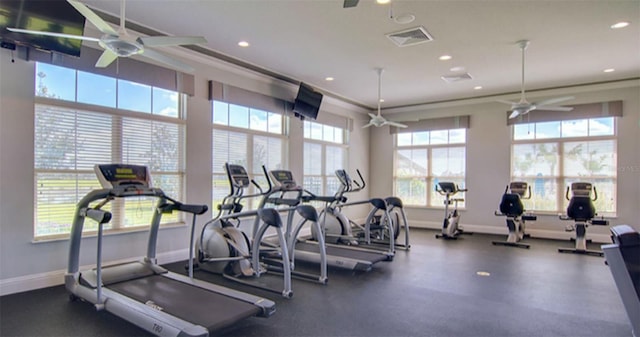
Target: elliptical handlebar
(361, 180)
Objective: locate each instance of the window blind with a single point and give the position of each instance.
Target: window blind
(444, 123)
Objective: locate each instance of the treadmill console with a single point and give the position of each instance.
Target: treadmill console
(116, 175)
(238, 176)
(284, 179)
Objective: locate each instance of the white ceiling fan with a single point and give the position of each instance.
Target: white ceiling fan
(523, 107)
(120, 43)
(378, 120)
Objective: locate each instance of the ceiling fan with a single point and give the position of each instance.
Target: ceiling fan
(378, 120)
(523, 107)
(120, 43)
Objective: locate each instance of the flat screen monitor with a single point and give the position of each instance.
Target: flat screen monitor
(56, 16)
(307, 103)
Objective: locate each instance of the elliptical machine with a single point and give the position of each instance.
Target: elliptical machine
(223, 248)
(582, 211)
(511, 207)
(450, 226)
(381, 228)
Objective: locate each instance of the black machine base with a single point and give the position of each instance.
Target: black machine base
(581, 251)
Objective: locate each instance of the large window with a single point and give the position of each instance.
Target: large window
(552, 155)
(325, 151)
(248, 137)
(84, 119)
(424, 158)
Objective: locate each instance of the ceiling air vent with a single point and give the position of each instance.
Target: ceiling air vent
(410, 37)
(456, 78)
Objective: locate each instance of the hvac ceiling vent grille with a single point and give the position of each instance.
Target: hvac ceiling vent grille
(457, 78)
(410, 37)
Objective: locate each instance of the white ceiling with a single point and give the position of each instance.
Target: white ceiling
(308, 40)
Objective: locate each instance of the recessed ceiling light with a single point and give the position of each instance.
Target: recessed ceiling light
(458, 68)
(382, 100)
(620, 24)
(243, 44)
(478, 87)
(610, 70)
(445, 57)
(383, 2)
(329, 78)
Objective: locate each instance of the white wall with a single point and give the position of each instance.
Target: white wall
(488, 160)
(25, 264)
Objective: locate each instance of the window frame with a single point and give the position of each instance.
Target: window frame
(251, 134)
(432, 200)
(340, 140)
(561, 179)
(43, 101)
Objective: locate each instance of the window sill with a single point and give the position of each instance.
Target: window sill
(111, 232)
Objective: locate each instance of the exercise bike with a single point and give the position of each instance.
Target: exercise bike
(450, 226)
(582, 211)
(511, 207)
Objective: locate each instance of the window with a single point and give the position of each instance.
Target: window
(118, 122)
(325, 151)
(248, 137)
(422, 159)
(551, 155)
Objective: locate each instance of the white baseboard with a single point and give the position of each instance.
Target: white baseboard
(502, 230)
(53, 278)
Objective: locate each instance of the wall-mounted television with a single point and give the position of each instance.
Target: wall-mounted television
(307, 103)
(57, 16)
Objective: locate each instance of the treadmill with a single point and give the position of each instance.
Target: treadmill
(307, 250)
(142, 292)
(623, 258)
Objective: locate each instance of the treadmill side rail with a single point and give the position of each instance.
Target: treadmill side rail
(624, 283)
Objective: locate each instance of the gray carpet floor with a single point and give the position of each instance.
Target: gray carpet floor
(435, 289)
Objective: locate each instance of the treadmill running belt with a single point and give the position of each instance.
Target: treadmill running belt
(343, 252)
(193, 304)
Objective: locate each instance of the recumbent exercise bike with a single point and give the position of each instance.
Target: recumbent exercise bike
(511, 206)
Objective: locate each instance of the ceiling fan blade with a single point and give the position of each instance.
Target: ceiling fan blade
(106, 58)
(163, 41)
(93, 17)
(372, 115)
(555, 108)
(396, 124)
(175, 64)
(514, 114)
(350, 3)
(554, 101)
(68, 36)
(367, 125)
